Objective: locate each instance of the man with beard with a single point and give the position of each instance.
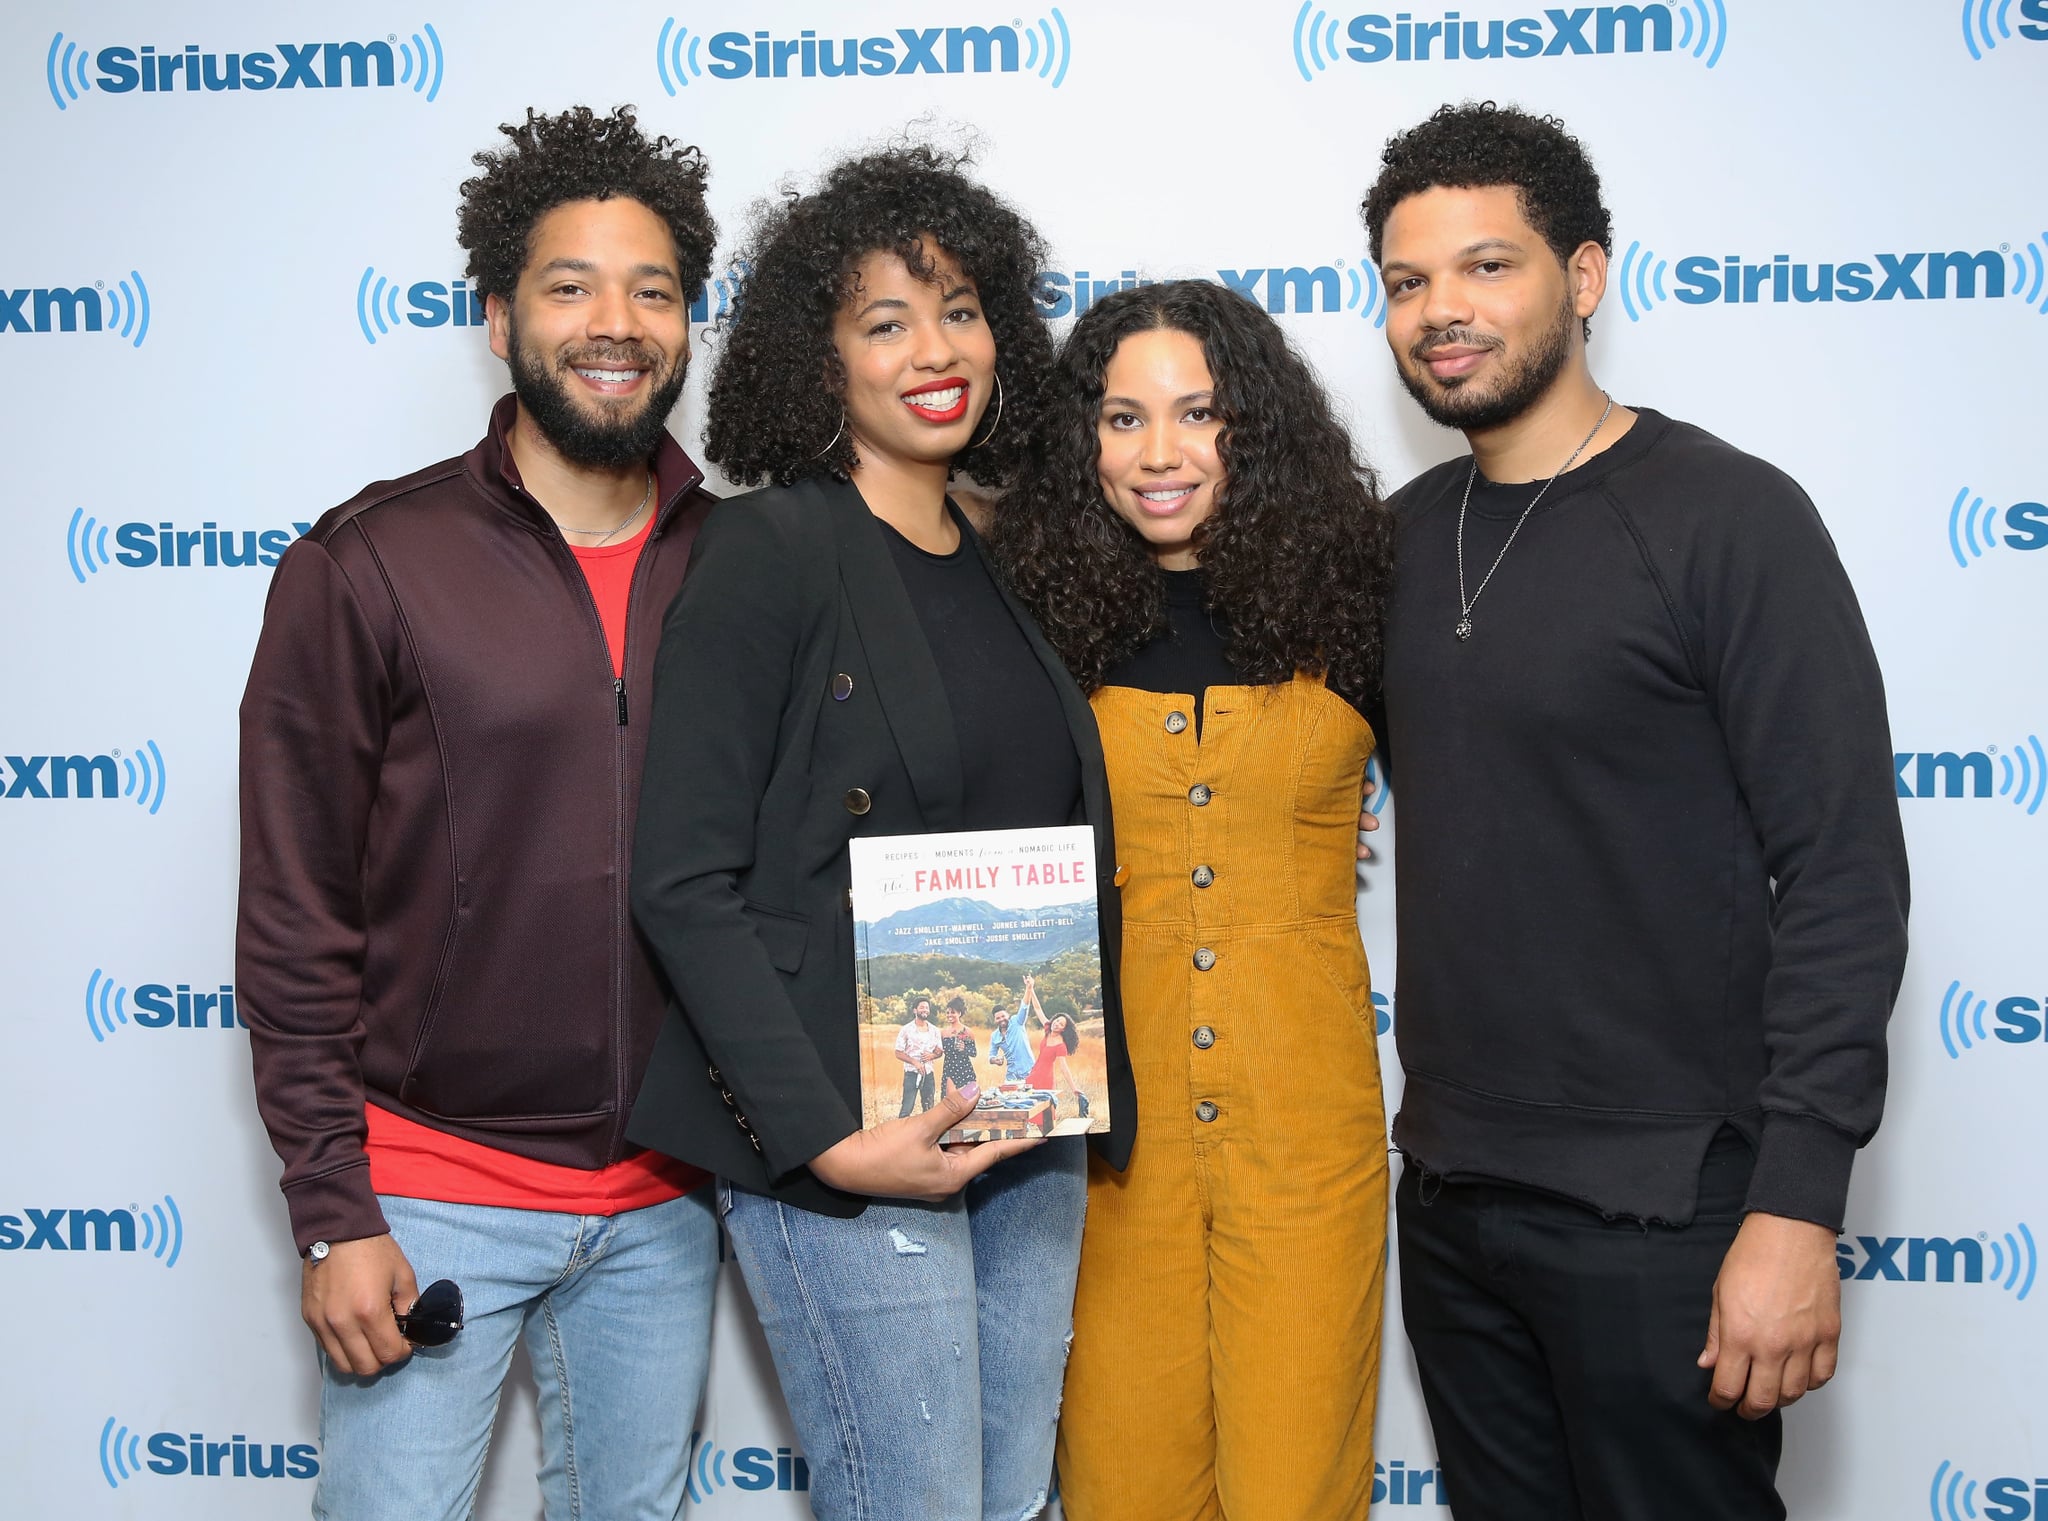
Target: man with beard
(1652, 886)
(448, 1007)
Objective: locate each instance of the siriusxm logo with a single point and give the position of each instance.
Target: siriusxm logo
(1953, 1497)
(1979, 20)
(122, 310)
(140, 775)
(1043, 47)
(176, 1452)
(391, 63)
(1725, 279)
(1972, 525)
(2020, 1021)
(157, 1230)
(385, 306)
(1394, 1483)
(137, 546)
(1946, 774)
(753, 1469)
(158, 1006)
(1280, 289)
(2009, 1258)
(1698, 28)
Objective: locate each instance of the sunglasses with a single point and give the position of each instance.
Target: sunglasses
(435, 1316)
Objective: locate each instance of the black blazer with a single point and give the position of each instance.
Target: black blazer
(740, 876)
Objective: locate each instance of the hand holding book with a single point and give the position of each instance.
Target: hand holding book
(902, 1159)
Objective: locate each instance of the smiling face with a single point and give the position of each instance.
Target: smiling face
(1481, 316)
(919, 360)
(1158, 434)
(923, 1012)
(597, 331)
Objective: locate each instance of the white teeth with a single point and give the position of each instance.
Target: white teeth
(620, 376)
(936, 401)
(1168, 496)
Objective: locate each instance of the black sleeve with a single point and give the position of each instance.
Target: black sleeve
(1801, 703)
(721, 682)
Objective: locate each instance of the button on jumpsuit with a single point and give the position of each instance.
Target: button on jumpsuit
(1227, 1323)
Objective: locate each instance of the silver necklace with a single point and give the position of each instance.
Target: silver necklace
(1465, 603)
(649, 492)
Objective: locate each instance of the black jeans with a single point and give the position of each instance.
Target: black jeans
(917, 1086)
(1557, 1354)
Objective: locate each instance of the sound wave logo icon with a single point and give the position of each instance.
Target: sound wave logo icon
(707, 1467)
(1712, 31)
(1057, 51)
(127, 309)
(85, 542)
(2030, 273)
(2025, 781)
(1367, 296)
(1315, 39)
(120, 1452)
(65, 71)
(143, 775)
(163, 1230)
(1642, 281)
(676, 66)
(106, 1005)
(1986, 23)
(378, 305)
(1971, 525)
(423, 70)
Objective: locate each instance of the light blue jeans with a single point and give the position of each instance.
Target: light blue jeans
(616, 1313)
(922, 1347)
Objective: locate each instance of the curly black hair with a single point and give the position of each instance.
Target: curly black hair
(579, 156)
(1299, 550)
(1481, 144)
(775, 409)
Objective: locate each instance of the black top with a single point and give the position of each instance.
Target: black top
(1018, 769)
(1192, 656)
(1651, 872)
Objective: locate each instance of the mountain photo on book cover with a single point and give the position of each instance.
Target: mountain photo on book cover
(978, 961)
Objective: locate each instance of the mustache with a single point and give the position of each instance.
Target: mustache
(618, 356)
(1460, 337)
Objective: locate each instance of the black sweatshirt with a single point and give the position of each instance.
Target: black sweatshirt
(1651, 875)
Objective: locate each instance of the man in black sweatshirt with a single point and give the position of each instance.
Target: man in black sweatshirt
(1652, 884)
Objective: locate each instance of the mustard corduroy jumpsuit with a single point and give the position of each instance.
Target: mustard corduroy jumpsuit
(1227, 1324)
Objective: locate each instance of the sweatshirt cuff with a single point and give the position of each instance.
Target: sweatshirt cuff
(336, 1206)
(1802, 1171)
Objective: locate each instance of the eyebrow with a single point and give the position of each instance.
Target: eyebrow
(589, 266)
(1178, 401)
(1482, 246)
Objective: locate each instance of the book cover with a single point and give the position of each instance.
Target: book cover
(979, 960)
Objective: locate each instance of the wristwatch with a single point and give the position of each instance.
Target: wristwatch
(318, 1251)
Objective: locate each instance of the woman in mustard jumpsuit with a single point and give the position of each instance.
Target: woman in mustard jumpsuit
(1203, 547)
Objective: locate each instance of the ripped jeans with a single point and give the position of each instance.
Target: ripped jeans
(921, 1347)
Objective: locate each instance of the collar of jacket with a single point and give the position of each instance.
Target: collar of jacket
(491, 468)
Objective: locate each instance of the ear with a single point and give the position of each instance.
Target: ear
(1586, 274)
(498, 316)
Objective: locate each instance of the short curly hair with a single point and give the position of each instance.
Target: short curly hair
(1299, 551)
(1480, 144)
(774, 409)
(579, 156)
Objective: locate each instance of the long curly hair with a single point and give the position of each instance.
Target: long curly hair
(775, 411)
(1299, 550)
(579, 156)
(1480, 144)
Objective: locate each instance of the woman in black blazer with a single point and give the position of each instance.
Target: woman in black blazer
(841, 662)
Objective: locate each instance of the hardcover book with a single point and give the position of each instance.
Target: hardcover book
(979, 961)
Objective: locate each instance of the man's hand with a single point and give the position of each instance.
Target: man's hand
(1776, 1323)
(351, 1302)
(902, 1159)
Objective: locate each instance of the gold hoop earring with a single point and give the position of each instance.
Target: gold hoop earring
(835, 436)
(995, 421)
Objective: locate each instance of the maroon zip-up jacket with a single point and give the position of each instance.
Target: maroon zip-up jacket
(439, 780)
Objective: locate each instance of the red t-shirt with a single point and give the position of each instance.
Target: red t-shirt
(415, 1161)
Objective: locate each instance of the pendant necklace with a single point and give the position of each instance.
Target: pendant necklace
(1465, 603)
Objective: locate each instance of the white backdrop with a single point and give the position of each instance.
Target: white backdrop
(222, 310)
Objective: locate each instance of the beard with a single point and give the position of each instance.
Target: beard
(1518, 387)
(608, 439)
